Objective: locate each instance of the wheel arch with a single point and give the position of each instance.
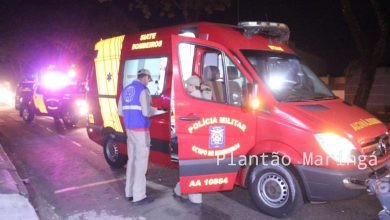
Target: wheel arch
(110, 133)
(120, 149)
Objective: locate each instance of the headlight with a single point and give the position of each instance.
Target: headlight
(338, 148)
(81, 102)
(83, 106)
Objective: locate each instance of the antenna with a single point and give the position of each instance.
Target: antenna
(269, 37)
(238, 11)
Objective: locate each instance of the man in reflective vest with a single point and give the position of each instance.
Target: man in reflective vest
(135, 106)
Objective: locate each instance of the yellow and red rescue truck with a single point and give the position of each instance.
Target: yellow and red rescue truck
(264, 121)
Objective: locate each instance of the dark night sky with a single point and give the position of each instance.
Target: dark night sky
(317, 26)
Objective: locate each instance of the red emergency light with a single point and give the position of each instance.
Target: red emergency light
(270, 29)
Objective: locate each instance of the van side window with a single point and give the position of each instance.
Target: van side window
(213, 75)
(190, 72)
(157, 67)
(224, 78)
(237, 83)
(212, 72)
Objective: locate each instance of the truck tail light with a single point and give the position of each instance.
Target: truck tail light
(91, 119)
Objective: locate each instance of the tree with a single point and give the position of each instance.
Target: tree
(191, 10)
(370, 53)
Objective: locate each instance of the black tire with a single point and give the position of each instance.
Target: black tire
(275, 189)
(26, 113)
(112, 155)
(69, 119)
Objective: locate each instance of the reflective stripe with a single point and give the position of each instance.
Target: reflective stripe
(39, 102)
(132, 107)
(107, 63)
(208, 166)
(52, 107)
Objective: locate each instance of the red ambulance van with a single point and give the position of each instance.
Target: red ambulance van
(264, 121)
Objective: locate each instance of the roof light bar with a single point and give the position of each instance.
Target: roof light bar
(271, 29)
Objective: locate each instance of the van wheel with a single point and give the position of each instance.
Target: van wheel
(112, 155)
(275, 189)
(26, 113)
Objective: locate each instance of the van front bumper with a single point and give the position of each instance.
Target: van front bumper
(323, 184)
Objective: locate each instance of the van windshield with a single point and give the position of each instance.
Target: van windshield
(287, 78)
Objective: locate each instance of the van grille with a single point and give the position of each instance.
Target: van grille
(378, 146)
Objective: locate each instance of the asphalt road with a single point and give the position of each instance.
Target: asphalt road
(68, 178)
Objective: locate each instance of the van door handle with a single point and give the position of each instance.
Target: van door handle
(189, 118)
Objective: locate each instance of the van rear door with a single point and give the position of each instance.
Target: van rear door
(212, 130)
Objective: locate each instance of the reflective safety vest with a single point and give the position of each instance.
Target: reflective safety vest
(131, 106)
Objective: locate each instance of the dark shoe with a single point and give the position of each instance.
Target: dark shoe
(181, 197)
(129, 198)
(144, 201)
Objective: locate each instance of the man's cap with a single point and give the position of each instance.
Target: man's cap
(144, 72)
(193, 80)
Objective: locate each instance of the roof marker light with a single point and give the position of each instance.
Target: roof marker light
(187, 34)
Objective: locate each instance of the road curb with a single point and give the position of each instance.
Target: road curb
(14, 203)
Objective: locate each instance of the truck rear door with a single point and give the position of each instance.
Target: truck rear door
(214, 130)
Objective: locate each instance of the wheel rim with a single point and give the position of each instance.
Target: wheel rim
(273, 190)
(25, 114)
(112, 151)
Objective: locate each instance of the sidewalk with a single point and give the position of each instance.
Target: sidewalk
(14, 203)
